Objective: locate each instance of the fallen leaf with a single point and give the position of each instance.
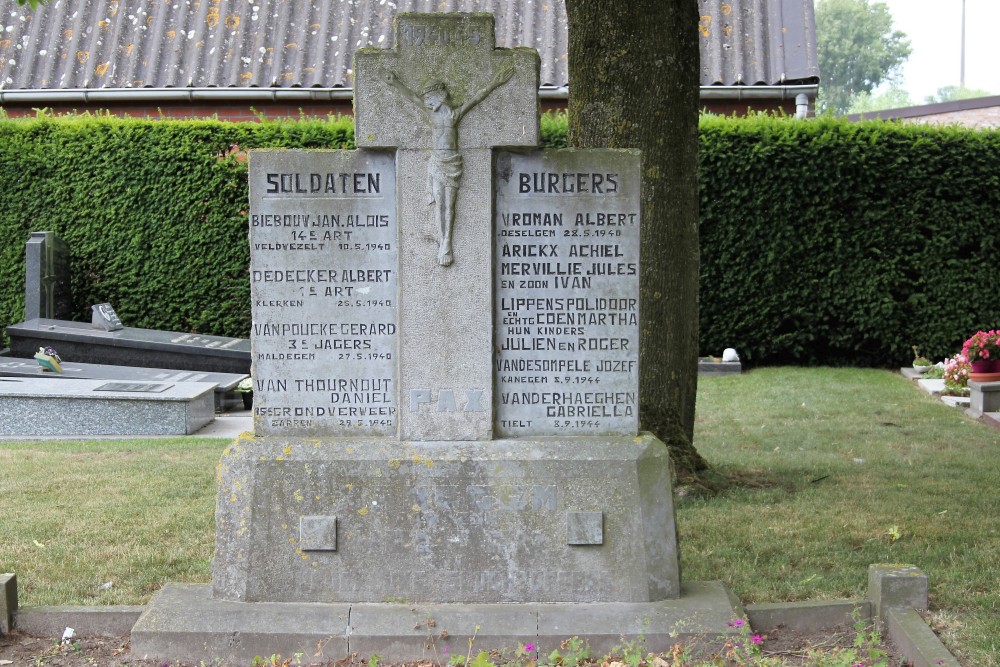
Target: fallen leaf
(38, 544)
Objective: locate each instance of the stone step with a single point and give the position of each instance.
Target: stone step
(183, 622)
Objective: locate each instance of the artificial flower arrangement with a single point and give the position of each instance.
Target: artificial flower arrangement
(48, 359)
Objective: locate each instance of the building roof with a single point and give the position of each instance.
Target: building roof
(95, 45)
(955, 112)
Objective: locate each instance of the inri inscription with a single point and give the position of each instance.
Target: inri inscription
(567, 293)
(323, 288)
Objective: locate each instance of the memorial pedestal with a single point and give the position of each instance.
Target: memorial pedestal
(585, 519)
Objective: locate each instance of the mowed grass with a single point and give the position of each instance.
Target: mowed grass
(833, 469)
(77, 514)
(841, 468)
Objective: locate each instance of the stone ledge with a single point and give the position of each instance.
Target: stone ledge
(915, 640)
(110, 621)
(805, 615)
(363, 630)
(8, 601)
(183, 622)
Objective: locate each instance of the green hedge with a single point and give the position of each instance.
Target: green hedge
(832, 242)
(822, 241)
(154, 212)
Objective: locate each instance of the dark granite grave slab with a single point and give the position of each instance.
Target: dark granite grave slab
(226, 396)
(145, 348)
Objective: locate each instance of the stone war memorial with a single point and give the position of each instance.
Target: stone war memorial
(445, 357)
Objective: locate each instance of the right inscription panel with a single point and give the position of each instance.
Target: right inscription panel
(567, 292)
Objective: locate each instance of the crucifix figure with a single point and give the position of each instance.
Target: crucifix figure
(444, 167)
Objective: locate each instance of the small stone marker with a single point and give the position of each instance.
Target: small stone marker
(104, 317)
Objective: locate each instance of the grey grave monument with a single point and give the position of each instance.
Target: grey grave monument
(445, 346)
(47, 291)
(225, 383)
(48, 323)
(131, 346)
(44, 406)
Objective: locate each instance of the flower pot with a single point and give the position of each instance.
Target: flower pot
(247, 399)
(982, 366)
(984, 377)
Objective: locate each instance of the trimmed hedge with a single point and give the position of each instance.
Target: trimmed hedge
(154, 212)
(829, 242)
(822, 241)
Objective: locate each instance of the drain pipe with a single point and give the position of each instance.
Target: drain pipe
(802, 106)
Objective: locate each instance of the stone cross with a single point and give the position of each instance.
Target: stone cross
(444, 97)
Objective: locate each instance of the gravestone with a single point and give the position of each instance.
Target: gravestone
(131, 346)
(47, 291)
(445, 346)
(225, 383)
(58, 407)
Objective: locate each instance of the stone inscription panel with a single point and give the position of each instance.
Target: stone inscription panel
(323, 260)
(567, 293)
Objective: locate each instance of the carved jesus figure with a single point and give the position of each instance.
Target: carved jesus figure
(444, 169)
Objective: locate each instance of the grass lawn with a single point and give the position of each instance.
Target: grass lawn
(840, 468)
(834, 469)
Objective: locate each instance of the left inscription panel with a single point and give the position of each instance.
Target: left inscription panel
(323, 286)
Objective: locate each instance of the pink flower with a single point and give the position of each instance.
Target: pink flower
(529, 647)
(738, 623)
(757, 639)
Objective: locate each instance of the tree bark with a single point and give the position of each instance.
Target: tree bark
(634, 84)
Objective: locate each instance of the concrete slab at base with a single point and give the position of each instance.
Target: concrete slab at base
(183, 622)
(40, 406)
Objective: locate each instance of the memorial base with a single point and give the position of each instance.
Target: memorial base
(184, 623)
(584, 519)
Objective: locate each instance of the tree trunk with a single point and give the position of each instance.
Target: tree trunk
(634, 84)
